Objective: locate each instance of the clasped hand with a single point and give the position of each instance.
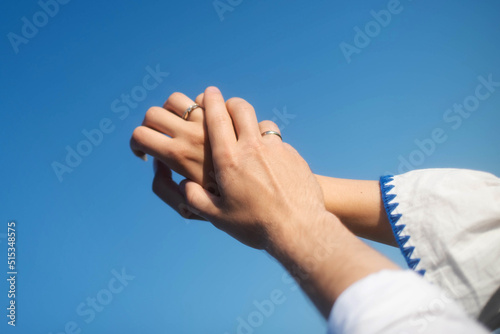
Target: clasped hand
(244, 183)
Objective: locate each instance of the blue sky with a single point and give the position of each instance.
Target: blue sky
(100, 233)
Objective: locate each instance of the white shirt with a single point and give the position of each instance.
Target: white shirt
(398, 302)
(447, 224)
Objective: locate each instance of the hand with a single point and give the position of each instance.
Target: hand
(179, 145)
(258, 177)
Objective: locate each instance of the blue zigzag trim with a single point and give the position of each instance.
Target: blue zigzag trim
(390, 205)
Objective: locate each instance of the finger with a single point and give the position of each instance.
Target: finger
(148, 141)
(199, 200)
(265, 126)
(244, 118)
(199, 100)
(164, 121)
(168, 191)
(178, 103)
(219, 124)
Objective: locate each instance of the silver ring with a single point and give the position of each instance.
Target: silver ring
(265, 133)
(188, 111)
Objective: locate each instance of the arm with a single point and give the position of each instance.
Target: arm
(325, 260)
(256, 204)
(358, 204)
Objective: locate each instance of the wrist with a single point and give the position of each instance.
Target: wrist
(324, 257)
(293, 241)
(309, 252)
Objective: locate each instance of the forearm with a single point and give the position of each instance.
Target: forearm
(325, 260)
(358, 204)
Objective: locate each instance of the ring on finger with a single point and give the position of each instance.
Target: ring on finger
(265, 133)
(189, 110)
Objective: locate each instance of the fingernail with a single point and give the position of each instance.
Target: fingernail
(144, 157)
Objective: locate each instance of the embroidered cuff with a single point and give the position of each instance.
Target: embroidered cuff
(389, 198)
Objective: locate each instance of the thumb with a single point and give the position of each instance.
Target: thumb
(199, 200)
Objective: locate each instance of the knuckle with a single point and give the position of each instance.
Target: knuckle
(268, 124)
(199, 99)
(227, 159)
(140, 134)
(224, 156)
(290, 148)
(191, 198)
(174, 96)
(254, 144)
(151, 114)
(235, 102)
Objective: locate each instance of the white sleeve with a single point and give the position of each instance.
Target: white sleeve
(398, 302)
(447, 224)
